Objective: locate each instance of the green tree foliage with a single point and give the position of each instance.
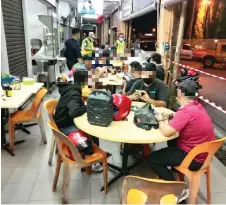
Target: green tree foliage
(211, 20)
(199, 26)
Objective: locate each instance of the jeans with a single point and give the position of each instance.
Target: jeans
(72, 128)
(170, 156)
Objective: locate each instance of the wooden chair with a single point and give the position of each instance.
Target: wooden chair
(68, 164)
(50, 106)
(194, 176)
(137, 190)
(30, 115)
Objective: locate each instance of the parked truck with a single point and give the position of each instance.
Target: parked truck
(210, 57)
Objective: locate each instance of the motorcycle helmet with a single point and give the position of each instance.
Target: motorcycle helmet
(122, 106)
(192, 72)
(144, 117)
(82, 142)
(184, 72)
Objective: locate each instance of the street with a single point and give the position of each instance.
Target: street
(214, 89)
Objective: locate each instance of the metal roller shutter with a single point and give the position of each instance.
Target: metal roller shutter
(15, 40)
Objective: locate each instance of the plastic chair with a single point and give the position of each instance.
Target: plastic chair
(137, 190)
(85, 93)
(68, 164)
(50, 106)
(194, 176)
(30, 115)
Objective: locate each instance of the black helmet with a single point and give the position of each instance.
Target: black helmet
(184, 72)
(144, 118)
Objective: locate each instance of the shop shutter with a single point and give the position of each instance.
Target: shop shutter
(15, 40)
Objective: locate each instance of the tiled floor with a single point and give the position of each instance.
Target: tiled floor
(27, 178)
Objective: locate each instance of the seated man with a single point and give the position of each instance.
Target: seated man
(152, 90)
(130, 78)
(157, 60)
(71, 105)
(194, 127)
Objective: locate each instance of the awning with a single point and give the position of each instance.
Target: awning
(146, 10)
(172, 2)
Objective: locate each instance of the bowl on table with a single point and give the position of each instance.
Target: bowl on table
(28, 81)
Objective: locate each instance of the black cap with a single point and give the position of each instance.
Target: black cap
(188, 87)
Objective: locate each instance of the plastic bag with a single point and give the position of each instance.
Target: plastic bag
(144, 118)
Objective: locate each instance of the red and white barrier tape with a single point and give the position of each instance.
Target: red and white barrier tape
(201, 97)
(212, 104)
(200, 71)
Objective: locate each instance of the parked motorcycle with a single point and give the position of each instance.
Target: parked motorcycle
(189, 74)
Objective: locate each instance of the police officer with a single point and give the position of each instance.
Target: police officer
(87, 45)
(120, 44)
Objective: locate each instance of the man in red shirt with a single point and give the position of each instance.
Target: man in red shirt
(194, 127)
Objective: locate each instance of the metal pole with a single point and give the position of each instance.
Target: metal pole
(192, 21)
(180, 37)
(173, 75)
(157, 17)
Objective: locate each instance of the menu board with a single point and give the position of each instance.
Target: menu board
(127, 8)
(139, 5)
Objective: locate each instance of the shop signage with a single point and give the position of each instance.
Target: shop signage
(139, 5)
(90, 7)
(127, 8)
(87, 27)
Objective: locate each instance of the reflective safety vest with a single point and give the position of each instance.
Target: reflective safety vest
(120, 46)
(90, 46)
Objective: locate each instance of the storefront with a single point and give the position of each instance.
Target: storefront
(115, 26)
(127, 8)
(133, 12)
(106, 31)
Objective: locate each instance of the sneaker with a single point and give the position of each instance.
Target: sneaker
(97, 168)
(184, 195)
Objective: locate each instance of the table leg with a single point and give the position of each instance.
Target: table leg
(124, 170)
(113, 89)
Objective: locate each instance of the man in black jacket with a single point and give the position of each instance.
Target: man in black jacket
(73, 49)
(71, 105)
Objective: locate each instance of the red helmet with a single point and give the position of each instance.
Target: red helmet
(82, 142)
(122, 106)
(192, 72)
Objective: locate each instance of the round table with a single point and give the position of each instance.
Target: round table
(126, 132)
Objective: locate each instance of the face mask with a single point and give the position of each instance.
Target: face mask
(92, 40)
(148, 81)
(121, 39)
